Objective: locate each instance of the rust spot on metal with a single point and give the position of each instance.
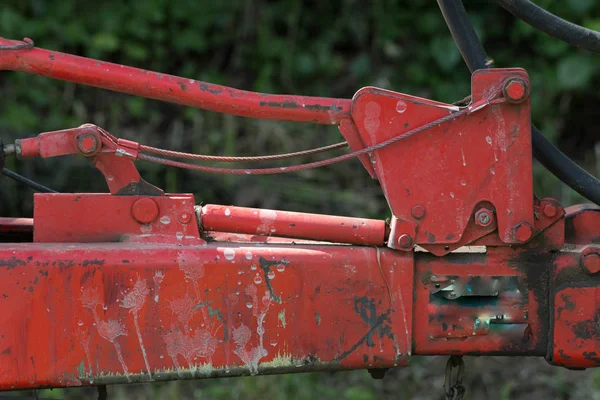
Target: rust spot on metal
(587, 329)
(319, 107)
(205, 87)
(279, 104)
(592, 356)
(569, 305)
(12, 262)
(430, 237)
(182, 86)
(93, 262)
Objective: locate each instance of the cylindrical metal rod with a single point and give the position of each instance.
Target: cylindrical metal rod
(174, 89)
(256, 221)
(16, 225)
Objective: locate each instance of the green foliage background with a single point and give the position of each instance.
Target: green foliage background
(311, 47)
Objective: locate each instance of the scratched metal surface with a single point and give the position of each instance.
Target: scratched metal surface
(76, 316)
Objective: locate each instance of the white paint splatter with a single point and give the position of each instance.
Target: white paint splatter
(109, 330)
(201, 344)
(227, 212)
(158, 278)
(267, 217)
(242, 334)
(134, 301)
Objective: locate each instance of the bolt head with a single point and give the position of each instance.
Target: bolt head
(184, 217)
(484, 217)
(550, 210)
(144, 210)
(523, 232)
(405, 241)
(590, 261)
(87, 143)
(418, 212)
(516, 90)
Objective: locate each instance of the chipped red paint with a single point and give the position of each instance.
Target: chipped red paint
(216, 310)
(577, 327)
(174, 89)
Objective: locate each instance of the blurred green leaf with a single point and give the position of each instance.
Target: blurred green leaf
(445, 52)
(575, 72)
(105, 41)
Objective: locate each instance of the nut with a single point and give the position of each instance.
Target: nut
(144, 210)
(550, 210)
(87, 143)
(484, 217)
(418, 212)
(516, 90)
(523, 232)
(405, 241)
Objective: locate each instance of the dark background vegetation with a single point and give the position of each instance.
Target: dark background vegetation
(310, 47)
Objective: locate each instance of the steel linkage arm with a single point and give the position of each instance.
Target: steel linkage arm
(174, 89)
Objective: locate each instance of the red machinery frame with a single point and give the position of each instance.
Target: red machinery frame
(138, 285)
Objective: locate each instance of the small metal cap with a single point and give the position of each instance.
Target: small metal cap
(418, 212)
(184, 217)
(144, 210)
(590, 261)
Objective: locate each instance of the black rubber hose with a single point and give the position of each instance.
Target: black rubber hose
(553, 25)
(545, 152)
(27, 181)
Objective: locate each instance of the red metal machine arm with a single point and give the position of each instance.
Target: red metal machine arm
(138, 285)
(174, 89)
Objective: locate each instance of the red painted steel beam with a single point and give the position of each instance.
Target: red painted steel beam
(174, 89)
(84, 314)
(255, 221)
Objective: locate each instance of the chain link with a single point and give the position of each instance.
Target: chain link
(454, 390)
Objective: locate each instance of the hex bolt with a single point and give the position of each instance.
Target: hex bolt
(523, 232)
(550, 210)
(405, 241)
(516, 90)
(418, 212)
(591, 262)
(484, 217)
(87, 143)
(144, 210)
